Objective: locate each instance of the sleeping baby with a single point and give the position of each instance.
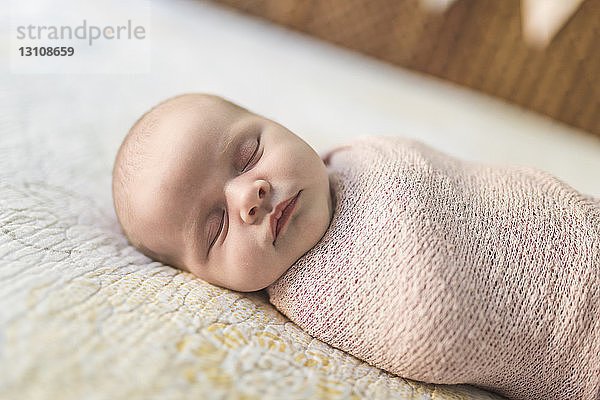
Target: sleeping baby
(429, 267)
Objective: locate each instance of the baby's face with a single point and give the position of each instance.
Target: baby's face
(233, 197)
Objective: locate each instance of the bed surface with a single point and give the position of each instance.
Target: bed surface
(85, 316)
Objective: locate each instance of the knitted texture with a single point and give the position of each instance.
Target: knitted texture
(446, 271)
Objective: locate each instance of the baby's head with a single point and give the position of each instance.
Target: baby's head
(211, 188)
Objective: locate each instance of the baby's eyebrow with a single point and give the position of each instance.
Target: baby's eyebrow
(227, 142)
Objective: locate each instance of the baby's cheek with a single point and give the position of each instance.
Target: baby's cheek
(245, 253)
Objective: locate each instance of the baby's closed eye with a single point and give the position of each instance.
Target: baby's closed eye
(215, 227)
(249, 154)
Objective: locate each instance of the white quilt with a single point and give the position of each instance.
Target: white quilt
(85, 316)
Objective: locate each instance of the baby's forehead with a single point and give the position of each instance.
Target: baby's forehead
(207, 105)
(188, 129)
(180, 138)
(193, 115)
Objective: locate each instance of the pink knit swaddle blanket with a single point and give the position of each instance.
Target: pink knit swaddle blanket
(447, 271)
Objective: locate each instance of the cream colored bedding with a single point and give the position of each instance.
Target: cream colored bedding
(84, 316)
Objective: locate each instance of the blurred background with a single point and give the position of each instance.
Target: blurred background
(539, 54)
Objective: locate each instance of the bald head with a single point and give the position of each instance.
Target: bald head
(138, 160)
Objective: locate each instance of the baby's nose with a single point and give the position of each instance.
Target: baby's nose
(255, 205)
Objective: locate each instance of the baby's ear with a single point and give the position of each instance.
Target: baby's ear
(327, 156)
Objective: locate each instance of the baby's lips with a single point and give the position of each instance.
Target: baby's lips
(278, 212)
